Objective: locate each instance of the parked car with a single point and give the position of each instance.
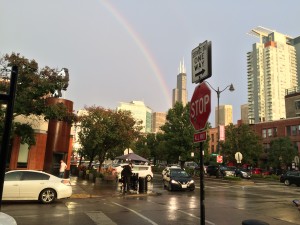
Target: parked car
(243, 173)
(257, 171)
(290, 177)
(191, 165)
(228, 171)
(178, 179)
(212, 170)
(35, 185)
(144, 171)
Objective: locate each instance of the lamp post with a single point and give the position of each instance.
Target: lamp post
(231, 88)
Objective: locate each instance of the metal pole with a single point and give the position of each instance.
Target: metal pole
(202, 207)
(218, 96)
(9, 100)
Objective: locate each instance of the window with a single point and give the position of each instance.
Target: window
(34, 176)
(270, 132)
(13, 176)
(264, 133)
(275, 132)
(23, 156)
(294, 130)
(297, 104)
(212, 137)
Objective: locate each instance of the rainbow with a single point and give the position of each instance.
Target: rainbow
(143, 48)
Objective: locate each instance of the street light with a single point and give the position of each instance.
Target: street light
(231, 88)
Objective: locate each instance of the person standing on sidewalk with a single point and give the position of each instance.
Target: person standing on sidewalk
(126, 176)
(62, 169)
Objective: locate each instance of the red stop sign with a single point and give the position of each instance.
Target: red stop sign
(200, 106)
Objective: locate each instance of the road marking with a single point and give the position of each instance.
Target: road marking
(192, 215)
(100, 218)
(140, 215)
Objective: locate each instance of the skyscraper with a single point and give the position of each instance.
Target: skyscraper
(140, 112)
(225, 115)
(180, 92)
(271, 69)
(158, 119)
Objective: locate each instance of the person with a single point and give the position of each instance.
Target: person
(62, 168)
(126, 176)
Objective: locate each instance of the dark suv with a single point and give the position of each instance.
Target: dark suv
(212, 170)
(290, 177)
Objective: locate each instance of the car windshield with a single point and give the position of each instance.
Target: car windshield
(178, 173)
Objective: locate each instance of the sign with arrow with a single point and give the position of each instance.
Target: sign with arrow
(201, 62)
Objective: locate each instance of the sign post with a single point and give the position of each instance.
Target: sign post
(201, 105)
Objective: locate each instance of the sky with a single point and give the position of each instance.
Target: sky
(130, 50)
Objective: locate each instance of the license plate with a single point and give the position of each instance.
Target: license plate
(184, 186)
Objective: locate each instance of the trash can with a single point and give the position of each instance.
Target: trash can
(254, 222)
(142, 185)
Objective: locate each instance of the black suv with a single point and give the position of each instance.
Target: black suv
(290, 177)
(212, 170)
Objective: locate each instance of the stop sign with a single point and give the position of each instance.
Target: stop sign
(200, 106)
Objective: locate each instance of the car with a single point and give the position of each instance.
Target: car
(228, 171)
(178, 179)
(35, 185)
(164, 172)
(290, 177)
(191, 165)
(212, 170)
(257, 171)
(144, 171)
(243, 173)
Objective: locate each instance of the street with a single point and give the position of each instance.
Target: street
(225, 203)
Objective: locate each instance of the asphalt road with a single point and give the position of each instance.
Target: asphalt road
(225, 203)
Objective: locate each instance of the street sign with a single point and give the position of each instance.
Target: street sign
(219, 159)
(238, 157)
(200, 106)
(199, 137)
(201, 62)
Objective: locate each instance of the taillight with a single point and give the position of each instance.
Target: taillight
(66, 182)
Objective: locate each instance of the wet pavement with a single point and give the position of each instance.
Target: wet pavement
(83, 188)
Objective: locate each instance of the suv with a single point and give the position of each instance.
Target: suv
(212, 170)
(290, 177)
(141, 170)
(177, 179)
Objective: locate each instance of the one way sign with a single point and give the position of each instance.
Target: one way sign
(201, 62)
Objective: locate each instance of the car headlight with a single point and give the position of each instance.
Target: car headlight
(191, 181)
(174, 182)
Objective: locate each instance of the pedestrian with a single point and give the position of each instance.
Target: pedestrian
(62, 168)
(126, 176)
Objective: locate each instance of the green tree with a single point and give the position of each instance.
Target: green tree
(34, 86)
(178, 133)
(103, 132)
(281, 152)
(241, 139)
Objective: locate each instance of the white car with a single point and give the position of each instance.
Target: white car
(35, 185)
(141, 170)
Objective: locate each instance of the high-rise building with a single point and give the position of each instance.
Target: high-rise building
(158, 119)
(271, 69)
(140, 112)
(244, 113)
(180, 92)
(225, 115)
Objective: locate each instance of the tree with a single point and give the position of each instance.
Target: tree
(104, 131)
(241, 139)
(281, 153)
(178, 133)
(34, 86)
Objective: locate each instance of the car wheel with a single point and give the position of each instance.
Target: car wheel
(287, 182)
(47, 196)
(192, 189)
(148, 178)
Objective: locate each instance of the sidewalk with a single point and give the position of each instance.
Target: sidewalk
(87, 189)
